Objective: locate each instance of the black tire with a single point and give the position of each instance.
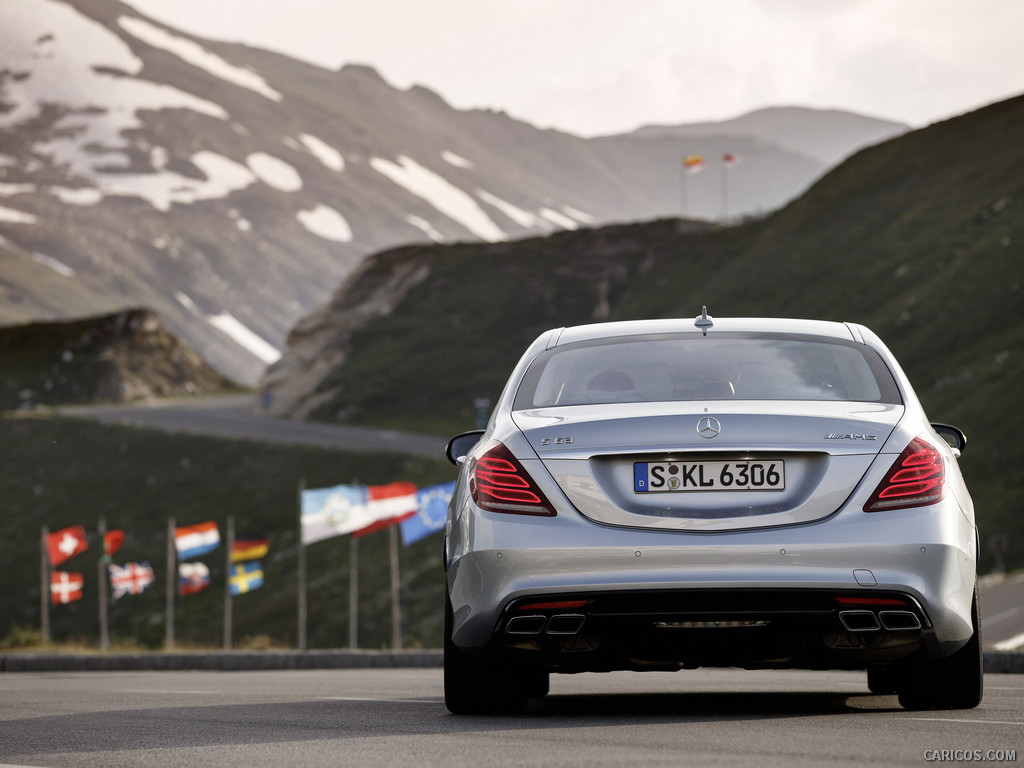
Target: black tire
(954, 682)
(882, 680)
(473, 687)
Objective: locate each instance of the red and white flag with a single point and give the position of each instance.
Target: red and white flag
(112, 541)
(388, 504)
(65, 587)
(66, 543)
(730, 160)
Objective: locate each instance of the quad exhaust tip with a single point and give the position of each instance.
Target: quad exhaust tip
(559, 624)
(868, 621)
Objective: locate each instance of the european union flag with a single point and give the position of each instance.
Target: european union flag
(431, 512)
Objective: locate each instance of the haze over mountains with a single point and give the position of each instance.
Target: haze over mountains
(232, 189)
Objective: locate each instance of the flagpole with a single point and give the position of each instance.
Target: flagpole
(396, 595)
(102, 581)
(228, 612)
(353, 592)
(44, 593)
(302, 576)
(683, 173)
(171, 583)
(725, 191)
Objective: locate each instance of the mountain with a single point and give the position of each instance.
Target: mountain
(919, 238)
(117, 358)
(231, 189)
(828, 135)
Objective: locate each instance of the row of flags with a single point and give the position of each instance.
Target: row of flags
(326, 512)
(246, 573)
(361, 509)
(695, 163)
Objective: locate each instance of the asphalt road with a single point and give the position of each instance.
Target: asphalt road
(397, 718)
(233, 417)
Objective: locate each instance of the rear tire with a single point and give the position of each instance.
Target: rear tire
(882, 680)
(473, 687)
(954, 682)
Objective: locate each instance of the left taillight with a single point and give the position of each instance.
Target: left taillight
(916, 479)
(499, 483)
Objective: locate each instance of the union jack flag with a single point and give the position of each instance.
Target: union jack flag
(130, 578)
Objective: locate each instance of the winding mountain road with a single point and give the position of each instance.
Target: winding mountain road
(235, 416)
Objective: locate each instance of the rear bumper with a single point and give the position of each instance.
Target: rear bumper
(778, 588)
(811, 629)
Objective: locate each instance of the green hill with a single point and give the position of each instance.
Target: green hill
(919, 238)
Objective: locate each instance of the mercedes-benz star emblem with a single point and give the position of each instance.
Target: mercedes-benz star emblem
(708, 427)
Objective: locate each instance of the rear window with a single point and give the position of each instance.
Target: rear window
(715, 367)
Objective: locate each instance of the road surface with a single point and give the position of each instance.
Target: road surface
(232, 416)
(397, 718)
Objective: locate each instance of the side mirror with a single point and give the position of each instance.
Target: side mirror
(954, 437)
(460, 445)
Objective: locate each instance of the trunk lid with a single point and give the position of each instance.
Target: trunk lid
(735, 466)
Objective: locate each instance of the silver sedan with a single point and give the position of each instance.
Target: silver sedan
(670, 494)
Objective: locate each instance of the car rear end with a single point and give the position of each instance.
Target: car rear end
(769, 494)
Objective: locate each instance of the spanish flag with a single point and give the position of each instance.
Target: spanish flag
(693, 163)
(249, 549)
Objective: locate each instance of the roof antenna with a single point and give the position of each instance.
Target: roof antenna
(704, 322)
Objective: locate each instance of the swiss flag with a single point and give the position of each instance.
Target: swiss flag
(66, 543)
(65, 587)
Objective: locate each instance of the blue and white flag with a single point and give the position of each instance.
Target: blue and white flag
(431, 513)
(328, 512)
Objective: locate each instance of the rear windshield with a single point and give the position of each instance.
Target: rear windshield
(715, 367)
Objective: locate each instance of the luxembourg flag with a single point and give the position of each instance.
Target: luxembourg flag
(195, 540)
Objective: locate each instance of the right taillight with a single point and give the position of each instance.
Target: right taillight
(499, 483)
(916, 479)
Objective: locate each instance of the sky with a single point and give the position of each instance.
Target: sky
(594, 67)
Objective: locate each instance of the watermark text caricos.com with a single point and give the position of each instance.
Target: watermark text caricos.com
(971, 755)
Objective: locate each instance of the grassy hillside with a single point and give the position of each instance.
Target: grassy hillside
(919, 238)
(68, 472)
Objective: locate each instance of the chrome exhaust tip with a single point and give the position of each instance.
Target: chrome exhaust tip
(859, 621)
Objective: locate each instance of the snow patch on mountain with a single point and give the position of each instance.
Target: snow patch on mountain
(274, 172)
(456, 160)
(55, 264)
(245, 338)
(194, 54)
(580, 216)
(12, 216)
(323, 152)
(226, 322)
(517, 214)
(327, 223)
(441, 194)
(559, 219)
(161, 190)
(425, 227)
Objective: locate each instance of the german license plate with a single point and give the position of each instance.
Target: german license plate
(678, 476)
